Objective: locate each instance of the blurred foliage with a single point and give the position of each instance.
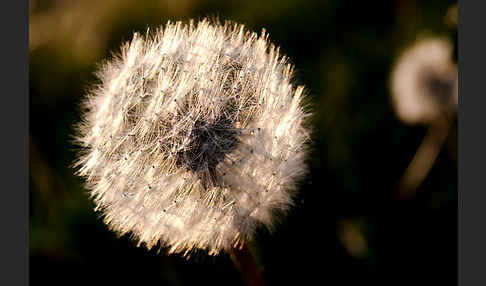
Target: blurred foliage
(347, 225)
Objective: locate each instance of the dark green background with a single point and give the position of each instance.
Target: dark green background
(343, 52)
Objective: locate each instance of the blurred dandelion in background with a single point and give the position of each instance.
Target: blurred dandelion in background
(424, 85)
(194, 137)
(424, 81)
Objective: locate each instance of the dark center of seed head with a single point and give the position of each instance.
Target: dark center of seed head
(209, 143)
(439, 85)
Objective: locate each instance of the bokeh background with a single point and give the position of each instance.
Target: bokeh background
(347, 227)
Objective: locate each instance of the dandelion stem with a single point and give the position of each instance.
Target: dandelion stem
(424, 158)
(244, 260)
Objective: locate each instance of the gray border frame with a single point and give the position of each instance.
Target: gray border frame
(471, 194)
(14, 118)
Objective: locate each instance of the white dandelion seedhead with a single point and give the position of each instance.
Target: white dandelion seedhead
(194, 137)
(424, 81)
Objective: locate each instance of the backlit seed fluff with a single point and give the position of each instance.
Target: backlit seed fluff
(194, 137)
(424, 82)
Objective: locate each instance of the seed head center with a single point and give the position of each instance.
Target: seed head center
(209, 143)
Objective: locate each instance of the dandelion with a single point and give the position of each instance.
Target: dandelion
(424, 82)
(194, 138)
(425, 91)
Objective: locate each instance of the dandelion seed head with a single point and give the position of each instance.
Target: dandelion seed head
(424, 81)
(194, 138)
